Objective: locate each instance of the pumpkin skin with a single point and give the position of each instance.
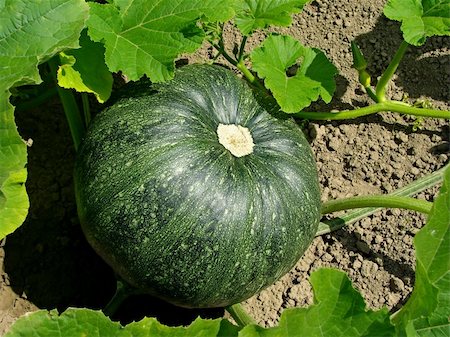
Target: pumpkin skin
(174, 212)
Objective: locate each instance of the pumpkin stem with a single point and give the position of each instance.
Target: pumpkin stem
(123, 291)
(235, 138)
(240, 315)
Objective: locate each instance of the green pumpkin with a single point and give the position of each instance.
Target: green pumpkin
(196, 194)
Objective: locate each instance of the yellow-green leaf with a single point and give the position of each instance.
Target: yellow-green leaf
(84, 69)
(30, 33)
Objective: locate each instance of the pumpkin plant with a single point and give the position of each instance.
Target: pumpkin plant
(197, 187)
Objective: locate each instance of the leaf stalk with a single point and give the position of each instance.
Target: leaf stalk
(70, 107)
(388, 201)
(392, 106)
(417, 186)
(240, 315)
(380, 89)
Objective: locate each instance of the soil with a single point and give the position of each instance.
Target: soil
(47, 263)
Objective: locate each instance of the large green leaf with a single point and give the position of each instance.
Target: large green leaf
(30, 33)
(86, 322)
(13, 174)
(420, 18)
(338, 310)
(314, 77)
(256, 14)
(427, 311)
(145, 37)
(84, 69)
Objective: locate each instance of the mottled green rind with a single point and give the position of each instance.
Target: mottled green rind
(93, 323)
(174, 213)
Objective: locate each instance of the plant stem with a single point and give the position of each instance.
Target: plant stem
(86, 109)
(393, 106)
(241, 49)
(249, 76)
(371, 93)
(380, 89)
(411, 189)
(387, 201)
(70, 106)
(223, 52)
(123, 291)
(239, 314)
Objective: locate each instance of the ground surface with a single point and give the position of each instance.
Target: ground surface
(47, 263)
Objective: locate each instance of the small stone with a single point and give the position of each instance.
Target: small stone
(393, 299)
(357, 264)
(374, 156)
(334, 143)
(327, 257)
(397, 285)
(378, 239)
(368, 268)
(401, 136)
(415, 171)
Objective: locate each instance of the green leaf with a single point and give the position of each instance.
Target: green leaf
(199, 328)
(420, 18)
(13, 174)
(293, 92)
(33, 31)
(30, 33)
(92, 323)
(72, 322)
(84, 69)
(256, 14)
(427, 311)
(338, 310)
(145, 37)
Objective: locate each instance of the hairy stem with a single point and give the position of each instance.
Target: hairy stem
(380, 89)
(411, 189)
(387, 201)
(70, 106)
(393, 106)
(239, 314)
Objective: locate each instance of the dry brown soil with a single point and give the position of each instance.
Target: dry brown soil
(47, 263)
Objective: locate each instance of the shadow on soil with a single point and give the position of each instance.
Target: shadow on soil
(420, 73)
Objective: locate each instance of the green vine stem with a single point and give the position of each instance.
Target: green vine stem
(241, 317)
(387, 201)
(392, 106)
(86, 109)
(123, 291)
(380, 89)
(411, 189)
(241, 49)
(70, 106)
